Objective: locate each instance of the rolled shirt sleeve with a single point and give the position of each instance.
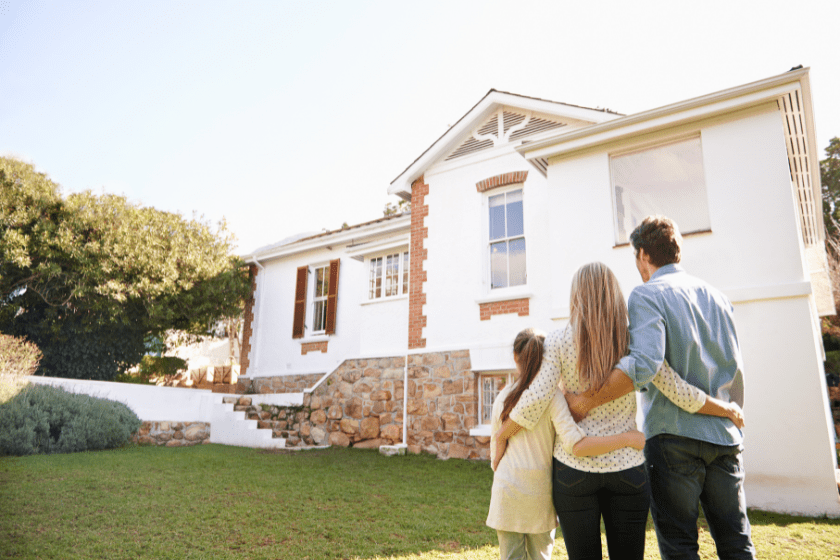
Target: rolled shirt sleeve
(647, 338)
(536, 398)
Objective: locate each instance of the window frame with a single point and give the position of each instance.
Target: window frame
(402, 275)
(502, 292)
(645, 147)
(310, 324)
(509, 376)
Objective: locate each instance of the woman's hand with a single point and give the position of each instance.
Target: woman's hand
(734, 413)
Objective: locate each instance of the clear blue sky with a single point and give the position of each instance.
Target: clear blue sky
(293, 116)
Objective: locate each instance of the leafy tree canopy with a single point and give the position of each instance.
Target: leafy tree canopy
(830, 179)
(101, 269)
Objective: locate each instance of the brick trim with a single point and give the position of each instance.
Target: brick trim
(502, 180)
(248, 328)
(307, 347)
(520, 306)
(418, 255)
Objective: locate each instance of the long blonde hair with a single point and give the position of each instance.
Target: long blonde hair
(599, 320)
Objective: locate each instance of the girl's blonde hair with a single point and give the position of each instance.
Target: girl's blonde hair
(528, 353)
(599, 320)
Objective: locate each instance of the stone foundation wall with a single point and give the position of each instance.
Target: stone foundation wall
(278, 384)
(173, 434)
(361, 405)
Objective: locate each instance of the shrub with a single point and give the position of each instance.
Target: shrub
(46, 419)
(161, 366)
(18, 358)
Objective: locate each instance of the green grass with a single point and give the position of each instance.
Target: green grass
(213, 501)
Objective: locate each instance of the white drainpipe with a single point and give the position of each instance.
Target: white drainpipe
(405, 404)
(256, 328)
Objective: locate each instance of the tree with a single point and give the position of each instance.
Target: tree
(398, 208)
(91, 277)
(830, 179)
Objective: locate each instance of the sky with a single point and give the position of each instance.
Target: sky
(295, 116)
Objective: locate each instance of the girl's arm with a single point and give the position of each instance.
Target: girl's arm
(692, 399)
(599, 445)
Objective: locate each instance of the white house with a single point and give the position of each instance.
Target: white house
(506, 205)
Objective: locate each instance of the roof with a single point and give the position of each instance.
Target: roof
(491, 100)
(349, 234)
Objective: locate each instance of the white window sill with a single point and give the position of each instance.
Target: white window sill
(314, 338)
(483, 430)
(385, 299)
(506, 294)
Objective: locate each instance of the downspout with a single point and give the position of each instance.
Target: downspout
(259, 315)
(405, 404)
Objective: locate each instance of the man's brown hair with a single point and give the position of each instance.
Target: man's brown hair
(660, 238)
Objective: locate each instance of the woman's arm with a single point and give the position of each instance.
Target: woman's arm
(692, 399)
(599, 445)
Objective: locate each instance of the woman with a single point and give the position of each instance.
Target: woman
(612, 486)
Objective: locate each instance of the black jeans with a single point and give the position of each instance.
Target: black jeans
(685, 472)
(621, 498)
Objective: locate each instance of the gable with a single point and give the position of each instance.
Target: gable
(505, 125)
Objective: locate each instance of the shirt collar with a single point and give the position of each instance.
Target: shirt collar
(667, 269)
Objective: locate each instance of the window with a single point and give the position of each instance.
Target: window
(388, 276)
(322, 281)
(319, 299)
(506, 240)
(666, 180)
(489, 387)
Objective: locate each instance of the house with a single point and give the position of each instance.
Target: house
(422, 308)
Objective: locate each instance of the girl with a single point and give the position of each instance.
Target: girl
(521, 509)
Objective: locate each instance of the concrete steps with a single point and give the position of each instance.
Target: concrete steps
(231, 427)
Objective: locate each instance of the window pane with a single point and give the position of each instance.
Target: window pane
(514, 214)
(375, 272)
(665, 180)
(491, 386)
(320, 315)
(405, 273)
(498, 265)
(392, 271)
(497, 216)
(322, 282)
(516, 256)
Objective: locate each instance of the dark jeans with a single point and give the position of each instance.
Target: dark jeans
(621, 498)
(683, 472)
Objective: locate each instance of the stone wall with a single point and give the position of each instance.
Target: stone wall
(278, 384)
(173, 434)
(361, 405)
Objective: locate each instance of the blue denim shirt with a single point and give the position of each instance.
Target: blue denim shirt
(681, 319)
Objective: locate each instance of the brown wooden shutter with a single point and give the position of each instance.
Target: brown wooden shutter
(300, 301)
(332, 297)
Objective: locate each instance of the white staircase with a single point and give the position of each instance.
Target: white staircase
(230, 427)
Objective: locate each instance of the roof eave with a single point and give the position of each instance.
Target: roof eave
(706, 106)
(401, 186)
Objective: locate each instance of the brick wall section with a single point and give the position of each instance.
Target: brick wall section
(502, 180)
(520, 306)
(307, 347)
(278, 384)
(248, 329)
(417, 275)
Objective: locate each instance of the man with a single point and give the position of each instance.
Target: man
(690, 458)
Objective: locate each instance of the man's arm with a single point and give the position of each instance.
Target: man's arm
(616, 385)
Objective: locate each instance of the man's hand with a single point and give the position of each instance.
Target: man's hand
(501, 447)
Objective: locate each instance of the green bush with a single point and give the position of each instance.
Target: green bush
(46, 419)
(18, 358)
(157, 366)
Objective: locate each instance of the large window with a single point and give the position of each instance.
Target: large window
(490, 384)
(666, 180)
(388, 276)
(319, 299)
(506, 240)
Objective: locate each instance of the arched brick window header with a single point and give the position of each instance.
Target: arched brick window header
(502, 180)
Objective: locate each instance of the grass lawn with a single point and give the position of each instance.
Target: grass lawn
(214, 501)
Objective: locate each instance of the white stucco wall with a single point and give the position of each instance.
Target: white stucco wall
(754, 253)
(149, 402)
